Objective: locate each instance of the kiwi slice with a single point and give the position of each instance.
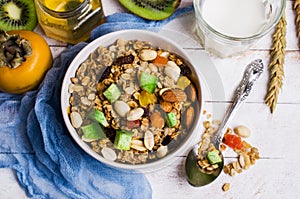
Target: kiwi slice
(17, 15)
(151, 9)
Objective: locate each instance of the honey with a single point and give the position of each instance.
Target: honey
(69, 21)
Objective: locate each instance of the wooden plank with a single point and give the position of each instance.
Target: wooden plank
(9, 187)
(230, 71)
(268, 178)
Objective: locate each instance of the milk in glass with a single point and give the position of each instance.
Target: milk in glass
(228, 27)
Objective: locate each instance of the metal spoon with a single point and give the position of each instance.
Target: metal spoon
(194, 175)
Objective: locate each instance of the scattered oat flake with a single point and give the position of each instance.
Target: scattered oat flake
(226, 187)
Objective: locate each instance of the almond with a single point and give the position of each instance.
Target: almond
(157, 120)
(166, 106)
(189, 116)
(174, 95)
(191, 92)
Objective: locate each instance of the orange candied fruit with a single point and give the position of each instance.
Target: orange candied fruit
(159, 60)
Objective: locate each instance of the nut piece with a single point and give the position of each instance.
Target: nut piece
(226, 187)
(174, 95)
(122, 108)
(166, 106)
(191, 92)
(242, 131)
(149, 140)
(189, 116)
(242, 161)
(138, 145)
(172, 70)
(76, 119)
(135, 114)
(109, 154)
(162, 151)
(147, 54)
(157, 120)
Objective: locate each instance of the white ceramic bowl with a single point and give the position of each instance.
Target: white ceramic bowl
(155, 40)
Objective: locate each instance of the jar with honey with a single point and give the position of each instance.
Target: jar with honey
(69, 20)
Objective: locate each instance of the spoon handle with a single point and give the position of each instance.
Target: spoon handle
(251, 74)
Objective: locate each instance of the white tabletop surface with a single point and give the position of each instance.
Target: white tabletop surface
(277, 173)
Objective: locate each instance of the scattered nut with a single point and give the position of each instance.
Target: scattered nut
(242, 131)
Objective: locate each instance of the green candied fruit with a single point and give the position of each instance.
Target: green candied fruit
(123, 139)
(214, 157)
(99, 117)
(171, 119)
(148, 82)
(93, 131)
(112, 93)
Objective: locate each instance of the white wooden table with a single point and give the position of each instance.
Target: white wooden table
(277, 173)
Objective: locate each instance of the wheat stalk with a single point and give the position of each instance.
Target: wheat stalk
(297, 9)
(276, 64)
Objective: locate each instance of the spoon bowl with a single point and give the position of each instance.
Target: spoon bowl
(195, 175)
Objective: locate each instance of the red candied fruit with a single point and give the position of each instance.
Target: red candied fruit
(133, 124)
(233, 141)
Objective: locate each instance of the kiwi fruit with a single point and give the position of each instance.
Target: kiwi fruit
(17, 15)
(151, 9)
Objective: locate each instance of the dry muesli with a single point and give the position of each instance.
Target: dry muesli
(132, 102)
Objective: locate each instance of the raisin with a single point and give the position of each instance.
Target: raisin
(146, 111)
(166, 140)
(105, 74)
(110, 134)
(124, 60)
(185, 70)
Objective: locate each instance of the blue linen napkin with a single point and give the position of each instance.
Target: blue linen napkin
(36, 144)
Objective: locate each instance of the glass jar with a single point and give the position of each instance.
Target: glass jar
(230, 27)
(69, 20)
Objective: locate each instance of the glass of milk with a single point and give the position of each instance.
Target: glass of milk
(230, 27)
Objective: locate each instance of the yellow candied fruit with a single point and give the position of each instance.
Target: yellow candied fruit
(146, 98)
(183, 82)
